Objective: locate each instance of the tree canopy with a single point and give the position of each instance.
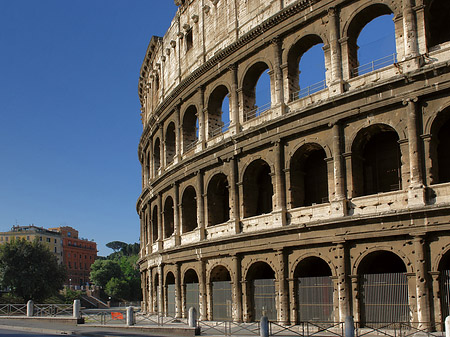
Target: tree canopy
(116, 245)
(30, 270)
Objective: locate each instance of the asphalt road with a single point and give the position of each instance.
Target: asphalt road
(12, 333)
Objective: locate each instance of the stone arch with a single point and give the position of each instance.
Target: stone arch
(357, 262)
(376, 160)
(383, 288)
(218, 200)
(249, 82)
(353, 27)
(189, 127)
(309, 176)
(261, 294)
(217, 123)
(258, 189)
(439, 144)
(436, 264)
(170, 145)
(156, 154)
(169, 220)
(314, 290)
(189, 209)
(221, 293)
(437, 16)
(169, 285)
(191, 286)
(155, 234)
(294, 55)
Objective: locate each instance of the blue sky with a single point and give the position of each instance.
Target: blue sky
(69, 112)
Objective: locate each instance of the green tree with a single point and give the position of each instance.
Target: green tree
(30, 270)
(118, 288)
(116, 245)
(104, 270)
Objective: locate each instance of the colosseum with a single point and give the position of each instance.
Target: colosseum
(303, 202)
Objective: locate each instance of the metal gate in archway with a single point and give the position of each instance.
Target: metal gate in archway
(444, 284)
(221, 301)
(171, 300)
(264, 299)
(384, 298)
(315, 299)
(192, 296)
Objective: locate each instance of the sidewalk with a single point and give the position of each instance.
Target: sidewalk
(63, 328)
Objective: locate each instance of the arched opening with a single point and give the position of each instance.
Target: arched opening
(383, 286)
(261, 281)
(170, 143)
(437, 17)
(168, 218)
(189, 210)
(309, 177)
(314, 290)
(443, 158)
(218, 111)
(190, 128)
(376, 160)
(157, 155)
(258, 189)
(444, 284)
(147, 167)
(256, 90)
(155, 224)
(221, 294)
(371, 40)
(306, 67)
(170, 291)
(191, 290)
(218, 200)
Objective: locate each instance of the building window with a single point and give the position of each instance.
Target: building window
(40, 238)
(189, 40)
(56, 241)
(48, 239)
(28, 238)
(55, 250)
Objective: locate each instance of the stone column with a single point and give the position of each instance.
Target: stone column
(283, 296)
(203, 308)
(422, 293)
(280, 189)
(436, 298)
(209, 290)
(177, 133)
(150, 307)
(200, 205)
(237, 289)
(338, 204)
(245, 302)
(342, 287)
(151, 159)
(416, 190)
(428, 175)
(409, 30)
(160, 292)
(349, 174)
(292, 301)
(162, 146)
(234, 195)
(278, 75)
(234, 101)
(160, 223)
(178, 295)
(201, 117)
(336, 86)
(176, 213)
(355, 297)
(149, 228)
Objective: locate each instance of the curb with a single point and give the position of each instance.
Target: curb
(32, 329)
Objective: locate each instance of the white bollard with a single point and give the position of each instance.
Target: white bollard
(76, 309)
(447, 326)
(264, 327)
(192, 317)
(30, 308)
(130, 316)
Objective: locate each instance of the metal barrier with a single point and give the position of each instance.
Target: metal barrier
(229, 328)
(13, 309)
(309, 90)
(259, 111)
(220, 129)
(374, 65)
(400, 329)
(53, 310)
(104, 317)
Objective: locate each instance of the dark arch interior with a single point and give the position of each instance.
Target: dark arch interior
(249, 85)
(220, 273)
(258, 189)
(168, 218)
(215, 118)
(444, 264)
(218, 200)
(157, 155)
(170, 278)
(155, 223)
(443, 152)
(437, 21)
(260, 270)
(381, 262)
(189, 209)
(312, 267)
(190, 276)
(189, 127)
(170, 143)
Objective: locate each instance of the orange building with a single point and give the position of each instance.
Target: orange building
(78, 255)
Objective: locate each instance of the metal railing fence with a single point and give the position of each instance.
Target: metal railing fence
(53, 310)
(258, 111)
(309, 90)
(374, 65)
(13, 309)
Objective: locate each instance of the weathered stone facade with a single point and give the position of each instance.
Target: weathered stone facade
(349, 181)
